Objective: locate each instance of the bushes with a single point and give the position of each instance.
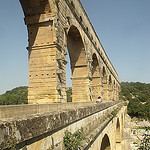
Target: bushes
(72, 141)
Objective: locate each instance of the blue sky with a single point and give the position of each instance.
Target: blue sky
(123, 27)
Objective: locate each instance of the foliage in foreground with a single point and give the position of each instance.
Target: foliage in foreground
(138, 95)
(73, 141)
(14, 96)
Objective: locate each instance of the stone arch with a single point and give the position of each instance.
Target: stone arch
(105, 144)
(79, 67)
(47, 31)
(118, 135)
(96, 80)
(105, 84)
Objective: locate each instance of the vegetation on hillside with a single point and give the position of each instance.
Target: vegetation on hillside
(138, 95)
(145, 141)
(19, 96)
(15, 96)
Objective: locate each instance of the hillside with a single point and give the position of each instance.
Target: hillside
(138, 95)
(15, 96)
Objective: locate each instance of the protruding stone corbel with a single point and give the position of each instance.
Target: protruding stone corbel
(58, 87)
(65, 53)
(65, 62)
(90, 60)
(58, 57)
(90, 77)
(59, 71)
(66, 27)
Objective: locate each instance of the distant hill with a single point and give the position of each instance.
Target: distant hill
(15, 96)
(19, 96)
(138, 95)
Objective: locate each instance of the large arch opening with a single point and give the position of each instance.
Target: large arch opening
(118, 136)
(13, 40)
(105, 145)
(96, 82)
(78, 63)
(68, 77)
(105, 86)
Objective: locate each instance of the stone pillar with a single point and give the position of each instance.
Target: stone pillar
(126, 133)
(110, 92)
(46, 84)
(105, 91)
(46, 68)
(80, 89)
(117, 93)
(96, 87)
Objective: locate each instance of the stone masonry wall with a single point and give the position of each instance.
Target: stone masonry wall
(43, 129)
(54, 26)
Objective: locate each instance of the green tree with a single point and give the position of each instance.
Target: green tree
(15, 96)
(138, 95)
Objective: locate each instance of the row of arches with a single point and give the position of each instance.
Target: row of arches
(113, 138)
(85, 73)
(49, 34)
(106, 140)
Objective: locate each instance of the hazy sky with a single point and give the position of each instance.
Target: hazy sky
(123, 27)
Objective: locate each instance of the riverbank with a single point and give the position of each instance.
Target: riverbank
(138, 129)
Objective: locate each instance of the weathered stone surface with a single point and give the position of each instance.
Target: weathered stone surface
(27, 128)
(24, 110)
(54, 26)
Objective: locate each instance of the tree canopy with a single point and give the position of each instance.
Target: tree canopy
(15, 96)
(138, 95)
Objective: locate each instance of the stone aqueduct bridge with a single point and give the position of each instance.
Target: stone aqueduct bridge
(106, 126)
(54, 26)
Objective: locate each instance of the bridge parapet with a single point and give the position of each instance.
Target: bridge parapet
(24, 110)
(47, 129)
